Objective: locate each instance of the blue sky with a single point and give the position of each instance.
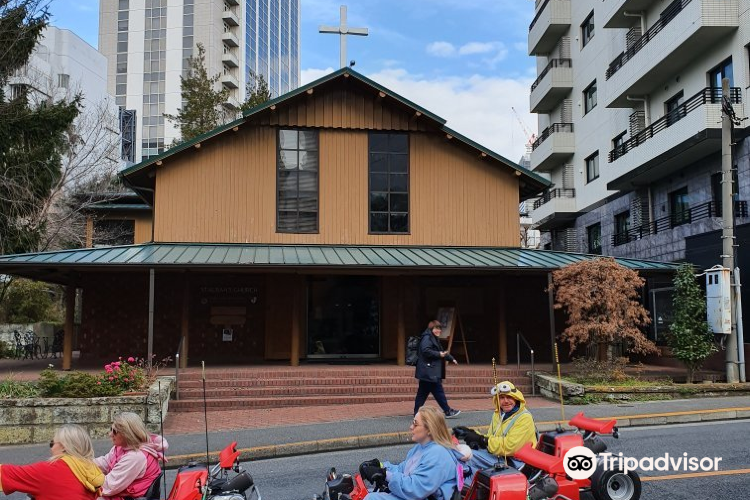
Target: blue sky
(465, 60)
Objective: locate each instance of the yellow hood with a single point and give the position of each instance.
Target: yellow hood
(87, 472)
(514, 393)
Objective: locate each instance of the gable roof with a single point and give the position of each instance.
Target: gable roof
(137, 176)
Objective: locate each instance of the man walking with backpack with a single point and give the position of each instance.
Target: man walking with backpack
(431, 369)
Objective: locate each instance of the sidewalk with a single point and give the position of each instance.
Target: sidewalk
(266, 435)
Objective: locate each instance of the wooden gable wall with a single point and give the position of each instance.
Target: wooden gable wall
(226, 190)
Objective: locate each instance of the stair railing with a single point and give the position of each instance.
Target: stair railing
(519, 338)
(177, 370)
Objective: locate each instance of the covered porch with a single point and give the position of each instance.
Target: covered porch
(260, 304)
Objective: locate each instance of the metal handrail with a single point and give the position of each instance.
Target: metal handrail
(554, 63)
(664, 19)
(708, 95)
(554, 193)
(538, 13)
(519, 338)
(177, 369)
(692, 214)
(552, 129)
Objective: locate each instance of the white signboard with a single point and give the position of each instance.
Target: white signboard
(719, 300)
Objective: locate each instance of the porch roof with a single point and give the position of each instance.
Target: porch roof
(57, 266)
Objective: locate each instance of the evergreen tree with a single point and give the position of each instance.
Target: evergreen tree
(32, 131)
(690, 336)
(204, 106)
(256, 91)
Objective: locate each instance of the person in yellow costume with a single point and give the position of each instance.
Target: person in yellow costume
(511, 428)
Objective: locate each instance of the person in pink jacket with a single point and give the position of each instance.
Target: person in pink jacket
(133, 462)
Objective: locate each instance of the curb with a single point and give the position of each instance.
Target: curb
(404, 437)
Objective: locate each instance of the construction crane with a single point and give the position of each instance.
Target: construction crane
(530, 137)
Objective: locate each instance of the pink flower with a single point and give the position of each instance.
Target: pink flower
(117, 368)
(111, 379)
(131, 359)
(108, 369)
(99, 383)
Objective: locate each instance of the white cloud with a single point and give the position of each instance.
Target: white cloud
(476, 48)
(476, 106)
(441, 49)
(310, 75)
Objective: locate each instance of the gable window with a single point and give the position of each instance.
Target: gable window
(594, 234)
(589, 97)
(622, 226)
(587, 29)
(389, 182)
(297, 181)
(592, 167)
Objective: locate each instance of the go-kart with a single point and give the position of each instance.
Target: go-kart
(542, 477)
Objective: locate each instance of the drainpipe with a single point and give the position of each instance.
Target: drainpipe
(641, 15)
(650, 208)
(646, 112)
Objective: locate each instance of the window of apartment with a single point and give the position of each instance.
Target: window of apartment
(594, 235)
(587, 29)
(18, 90)
(679, 207)
(619, 140)
(716, 191)
(297, 181)
(389, 182)
(674, 110)
(589, 97)
(592, 167)
(622, 226)
(716, 75)
(63, 80)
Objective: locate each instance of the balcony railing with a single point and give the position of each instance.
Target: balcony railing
(554, 193)
(664, 19)
(552, 129)
(538, 13)
(709, 95)
(554, 63)
(693, 214)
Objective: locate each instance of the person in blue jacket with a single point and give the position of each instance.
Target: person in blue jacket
(430, 369)
(431, 469)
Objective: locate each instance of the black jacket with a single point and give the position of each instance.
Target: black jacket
(430, 366)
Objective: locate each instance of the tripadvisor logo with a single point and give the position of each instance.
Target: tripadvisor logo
(579, 462)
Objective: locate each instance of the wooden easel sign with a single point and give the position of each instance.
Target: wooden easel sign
(451, 321)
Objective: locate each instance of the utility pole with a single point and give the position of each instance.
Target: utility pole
(727, 214)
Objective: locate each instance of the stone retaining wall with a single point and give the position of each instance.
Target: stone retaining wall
(34, 420)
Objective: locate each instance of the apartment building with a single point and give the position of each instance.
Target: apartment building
(148, 44)
(628, 98)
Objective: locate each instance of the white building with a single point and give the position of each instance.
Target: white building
(629, 106)
(149, 42)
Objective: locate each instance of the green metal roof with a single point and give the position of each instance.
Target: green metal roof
(538, 183)
(183, 255)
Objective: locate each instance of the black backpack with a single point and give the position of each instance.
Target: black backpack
(412, 351)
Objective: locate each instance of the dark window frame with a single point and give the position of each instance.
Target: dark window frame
(619, 139)
(593, 156)
(587, 29)
(720, 71)
(622, 227)
(678, 218)
(673, 108)
(388, 173)
(588, 95)
(591, 240)
(297, 230)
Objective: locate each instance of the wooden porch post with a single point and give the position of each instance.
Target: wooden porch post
(401, 327)
(150, 316)
(296, 312)
(502, 326)
(185, 321)
(70, 309)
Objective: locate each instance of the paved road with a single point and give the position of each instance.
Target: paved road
(297, 478)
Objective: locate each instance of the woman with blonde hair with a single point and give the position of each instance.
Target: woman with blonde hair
(133, 462)
(70, 472)
(430, 469)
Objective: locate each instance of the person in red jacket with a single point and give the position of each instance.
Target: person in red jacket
(70, 473)
(133, 462)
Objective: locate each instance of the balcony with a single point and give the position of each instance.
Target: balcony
(684, 29)
(693, 214)
(616, 18)
(551, 22)
(555, 144)
(230, 60)
(232, 2)
(229, 81)
(557, 207)
(553, 83)
(230, 18)
(690, 132)
(230, 39)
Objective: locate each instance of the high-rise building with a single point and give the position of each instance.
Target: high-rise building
(149, 42)
(629, 103)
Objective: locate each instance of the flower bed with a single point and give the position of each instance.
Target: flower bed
(34, 420)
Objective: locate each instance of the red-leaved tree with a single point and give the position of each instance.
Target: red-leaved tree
(602, 300)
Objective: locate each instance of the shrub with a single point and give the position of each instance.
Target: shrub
(29, 301)
(74, 385)
(592, 372)
(125, 375)
(15, 389)
(7, 350)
